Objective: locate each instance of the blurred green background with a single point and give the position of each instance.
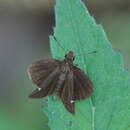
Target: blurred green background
(24, 30)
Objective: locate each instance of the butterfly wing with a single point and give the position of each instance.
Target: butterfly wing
(83, 87)
(44, 74)
(48, 86)
(40, 70)
(67, 93)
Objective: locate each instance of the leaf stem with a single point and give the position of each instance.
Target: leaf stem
(93, 114)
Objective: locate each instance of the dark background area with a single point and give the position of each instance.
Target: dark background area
(24, 30)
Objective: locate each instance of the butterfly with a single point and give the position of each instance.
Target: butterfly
(61, 77)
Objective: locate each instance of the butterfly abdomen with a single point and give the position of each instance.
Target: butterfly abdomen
(61, 79)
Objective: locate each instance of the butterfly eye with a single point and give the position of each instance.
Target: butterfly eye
(65, 56)
(73, 58)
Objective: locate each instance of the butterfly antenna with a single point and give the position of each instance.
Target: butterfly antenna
(58, 43)
(88, 53)
(92, 52)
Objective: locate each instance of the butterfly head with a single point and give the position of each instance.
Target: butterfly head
(70, 56)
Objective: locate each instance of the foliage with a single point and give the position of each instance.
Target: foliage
(109, 106)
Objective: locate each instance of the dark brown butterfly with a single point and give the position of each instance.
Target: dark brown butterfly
(64, 78)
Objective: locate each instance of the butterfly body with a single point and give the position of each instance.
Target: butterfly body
(63, 78)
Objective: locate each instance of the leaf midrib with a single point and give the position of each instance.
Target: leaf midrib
(93, 107)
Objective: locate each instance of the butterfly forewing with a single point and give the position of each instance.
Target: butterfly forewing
(40, 70)
(82, 85)
(48, 86)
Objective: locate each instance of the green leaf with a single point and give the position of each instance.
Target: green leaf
(109, 106)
